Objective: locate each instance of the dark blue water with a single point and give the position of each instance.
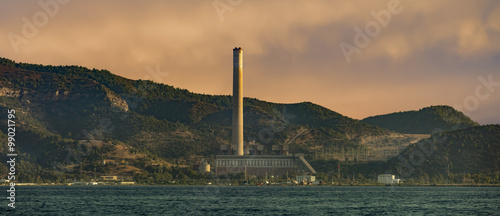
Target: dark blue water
(215, 200)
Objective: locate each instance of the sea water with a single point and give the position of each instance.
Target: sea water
(249, 200)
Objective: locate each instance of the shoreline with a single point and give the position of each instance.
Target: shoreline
(274, 185)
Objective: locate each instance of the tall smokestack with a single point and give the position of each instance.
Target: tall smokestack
(238, 99)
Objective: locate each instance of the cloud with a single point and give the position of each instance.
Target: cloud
(429, 53)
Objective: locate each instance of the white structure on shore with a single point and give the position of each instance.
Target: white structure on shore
(387, 179)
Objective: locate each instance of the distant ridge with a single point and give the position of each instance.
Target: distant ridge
(450, 154)
(76, 123)
(137, 123)
(424, 121)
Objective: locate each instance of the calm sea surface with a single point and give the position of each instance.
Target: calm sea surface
(215, 200)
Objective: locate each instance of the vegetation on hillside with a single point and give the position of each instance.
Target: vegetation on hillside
(468, 155)
(60, 108)
(424, 121)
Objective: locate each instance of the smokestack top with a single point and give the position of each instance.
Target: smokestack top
(238, 58)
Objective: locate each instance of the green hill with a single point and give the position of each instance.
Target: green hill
(424, 121)
(452, 154)
(446, 157)
(69, 119)
(72, 116)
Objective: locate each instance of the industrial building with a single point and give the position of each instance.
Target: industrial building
(251, 158)
(262, 165)
(387, 179)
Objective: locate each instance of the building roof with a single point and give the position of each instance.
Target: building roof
(256, 157)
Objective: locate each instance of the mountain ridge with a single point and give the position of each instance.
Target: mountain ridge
(91, 114)
(424, 121)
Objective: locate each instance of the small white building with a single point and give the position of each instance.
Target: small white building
(387, 179)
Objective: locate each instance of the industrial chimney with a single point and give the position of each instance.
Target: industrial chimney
(238, 99)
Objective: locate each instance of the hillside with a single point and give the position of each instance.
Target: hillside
(445, 157)
(474, 150)
(62, 111)
(424, 121)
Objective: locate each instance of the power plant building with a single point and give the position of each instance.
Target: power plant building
(261, 165)
(251, 158)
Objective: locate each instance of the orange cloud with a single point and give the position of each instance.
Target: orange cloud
(429, 53)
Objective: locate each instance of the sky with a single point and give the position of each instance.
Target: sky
(358, 58)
